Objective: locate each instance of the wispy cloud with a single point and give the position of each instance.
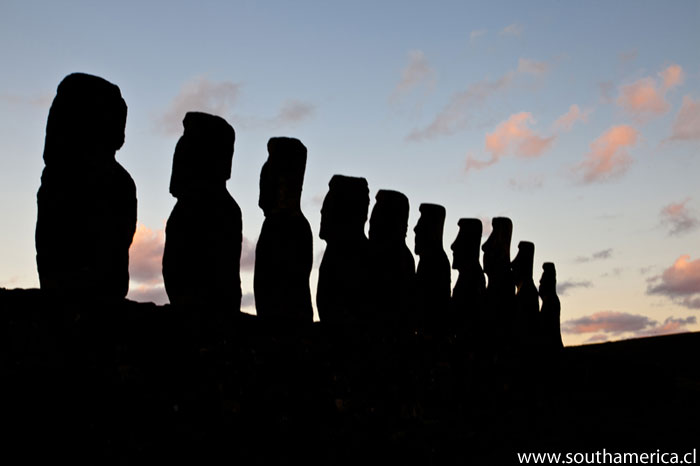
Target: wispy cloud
(646, 97)
(41, 101)
(686, 126)
(526, 65)
(248, 254)
(627, 57)
(528, 183)
(201, 95)
(564, 287)
(567, 120)
(679, 217)
(512, 136)
(599, 255)
(417, 73)
(608, 157)
(680, 282)
(514, 29)
(476, 34)
(290, 113)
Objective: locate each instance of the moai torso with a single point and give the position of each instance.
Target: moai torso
(86, 215)
(343, 281)
(203, 236)
(284, 253)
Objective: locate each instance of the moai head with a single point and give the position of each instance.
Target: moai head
(497, 247)
(389, 220)
(522, 264)
(282, 176)
(429, 228)
(203, 155)
(465, 248)
(86, 122)
(345, 207)
(548, 282)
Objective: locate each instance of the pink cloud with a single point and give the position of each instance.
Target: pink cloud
(608, 157)
(512, 136)
(567, 120)
(248, 254)
(679, 217)
(417, 72)
(680, 282)
(532, 67)
(687, 123)
(604, 323)
(646, 97)
(146, 255)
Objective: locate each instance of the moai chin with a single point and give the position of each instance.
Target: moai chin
(392, 264)
(433, 275)
(284, 253)
(342, 293)
(203, 236)
(83, 187)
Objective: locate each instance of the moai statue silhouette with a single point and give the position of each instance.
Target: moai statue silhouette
(284, 253)
(393, 268)
(343, 277)
(527, 303)
(86, 215)
(550, 330)
(500, 292)
(201, 261)
(467, 303)
(433, 275)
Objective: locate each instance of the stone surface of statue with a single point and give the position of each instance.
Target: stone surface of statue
(343, 277)
(203, 236)
(527, 303)
(550, 315)
(86, 215)
(284, 253)
(467, 303)
(433, 275)
(393, 268)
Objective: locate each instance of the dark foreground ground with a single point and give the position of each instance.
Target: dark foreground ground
(145, 384)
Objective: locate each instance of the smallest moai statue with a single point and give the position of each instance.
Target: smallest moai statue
(468, 295)
(433, 275)
(343, 281)
(550, 315)
(201, 260)
(284, 253)
(527, 303)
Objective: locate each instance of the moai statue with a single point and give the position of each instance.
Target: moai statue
(284, 253)
(468, 295)
(392, 265)
(201, 261)
(550, 331)
(433, 275)
(500, 292)
(343, 281)
(86, 215)
(527, 303)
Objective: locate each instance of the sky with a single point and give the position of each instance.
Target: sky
(578, 120)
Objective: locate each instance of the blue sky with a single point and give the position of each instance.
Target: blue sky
(579, 120)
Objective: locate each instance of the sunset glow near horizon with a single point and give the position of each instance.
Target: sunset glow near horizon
(578, 120)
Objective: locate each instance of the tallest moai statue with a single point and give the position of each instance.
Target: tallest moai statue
(87, 201)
